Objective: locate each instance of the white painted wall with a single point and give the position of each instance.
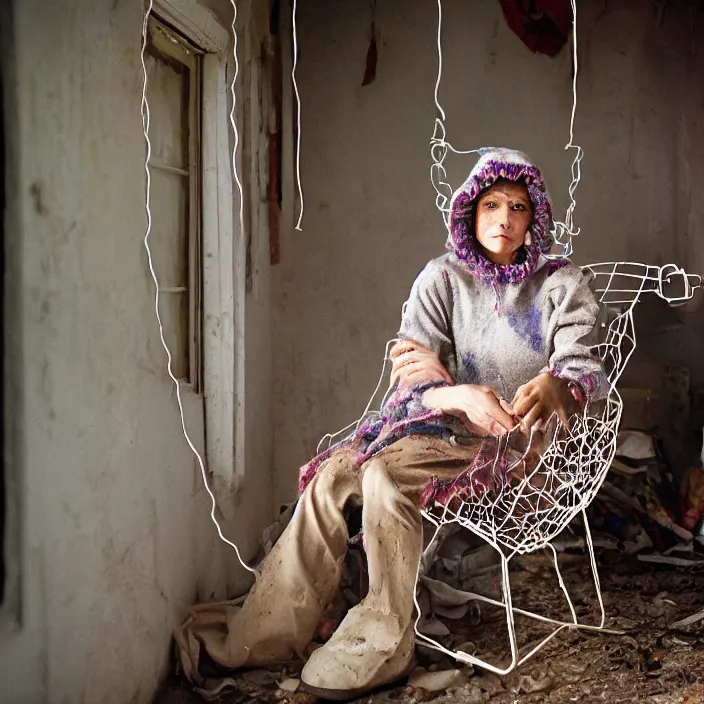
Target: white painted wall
(117, 540)
(370, 223)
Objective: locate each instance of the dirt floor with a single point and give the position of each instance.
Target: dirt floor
(650, 662)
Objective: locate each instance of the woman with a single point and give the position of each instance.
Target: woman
(493, 335)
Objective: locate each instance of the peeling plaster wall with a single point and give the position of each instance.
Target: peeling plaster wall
(116, 536)
(370, 222)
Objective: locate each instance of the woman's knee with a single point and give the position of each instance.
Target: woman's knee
(336, 480)
(380, 492)
(375, 477)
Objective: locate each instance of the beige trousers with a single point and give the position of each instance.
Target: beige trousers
(301, 575)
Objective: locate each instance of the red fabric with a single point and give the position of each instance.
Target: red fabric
(544, 26)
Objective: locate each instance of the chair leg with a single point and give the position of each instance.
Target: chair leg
(562, 583)
(511, 612)
(595, 569)
(508, 605)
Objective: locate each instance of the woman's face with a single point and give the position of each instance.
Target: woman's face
(503, 215)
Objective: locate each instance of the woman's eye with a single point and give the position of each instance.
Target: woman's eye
(489, 204)
(520, 207)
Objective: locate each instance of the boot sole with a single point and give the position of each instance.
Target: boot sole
(344, 695)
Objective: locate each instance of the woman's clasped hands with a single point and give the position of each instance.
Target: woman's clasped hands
(484, 412)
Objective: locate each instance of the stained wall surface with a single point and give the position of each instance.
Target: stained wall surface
(112, 518)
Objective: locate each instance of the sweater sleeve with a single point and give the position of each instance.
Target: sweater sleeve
(426, 315)
(575, 334)
(425, 322)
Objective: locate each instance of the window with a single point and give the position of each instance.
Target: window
(198, 248)
(174, 76)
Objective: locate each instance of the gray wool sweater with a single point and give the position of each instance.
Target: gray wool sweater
(504, 334)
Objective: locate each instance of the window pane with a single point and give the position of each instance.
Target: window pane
(169, 237)
(167, 82)
(169, 67)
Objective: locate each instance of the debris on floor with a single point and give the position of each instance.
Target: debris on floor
(642, 508)
(659, 608)
(657, 659)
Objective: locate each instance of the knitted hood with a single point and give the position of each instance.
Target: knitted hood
(495, 163)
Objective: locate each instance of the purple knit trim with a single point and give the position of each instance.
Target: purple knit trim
(428, 424)
(310, 469)
(403, 414)
(487, 473)
(553, 265)
(590, 383)
(407, 402)
(463, 242)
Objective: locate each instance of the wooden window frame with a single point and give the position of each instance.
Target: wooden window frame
(163, 42)
(223, 251)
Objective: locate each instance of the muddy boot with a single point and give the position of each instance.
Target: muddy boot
(368, 650)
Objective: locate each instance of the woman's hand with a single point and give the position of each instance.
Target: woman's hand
(413, 365)
(540, 398)
(478, 407)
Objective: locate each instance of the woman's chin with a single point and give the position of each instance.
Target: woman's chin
(503, 257)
